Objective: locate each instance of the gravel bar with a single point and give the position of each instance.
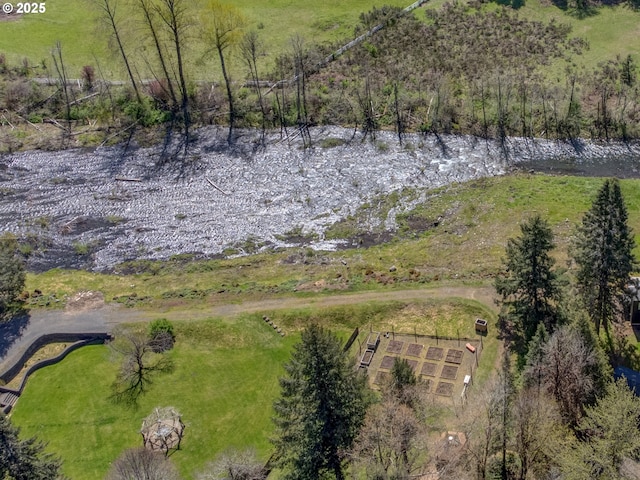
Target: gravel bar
(94, 208)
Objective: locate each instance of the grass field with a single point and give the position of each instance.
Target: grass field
(75, 24)
(224, 384)
(613, 30)
(610, 31)
(476, 218)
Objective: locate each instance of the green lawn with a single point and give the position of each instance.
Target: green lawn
(224, 384)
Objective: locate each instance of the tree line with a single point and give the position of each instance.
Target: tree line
(462, 68)
(557, 413)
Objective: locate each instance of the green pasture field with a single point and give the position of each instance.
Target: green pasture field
(75, 24)
(610, 31)
(225, 379)
(224, 383)
(475, 219)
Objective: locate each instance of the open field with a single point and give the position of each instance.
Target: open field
(73, 23)
(224, 383)
(473, 222)
(611, 31)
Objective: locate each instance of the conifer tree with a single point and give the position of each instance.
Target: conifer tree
(402, 379)
(603, 253)
(24, 459)
(534, 360)
(530, 289)
(322, 405)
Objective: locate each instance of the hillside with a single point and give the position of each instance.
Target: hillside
(574, 76)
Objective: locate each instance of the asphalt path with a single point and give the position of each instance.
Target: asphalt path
(18, 334)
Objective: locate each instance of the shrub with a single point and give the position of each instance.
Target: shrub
(161, 335)
(16, 95)
(88, 76)
(12, 275)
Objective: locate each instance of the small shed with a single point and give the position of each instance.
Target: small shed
(481, 326)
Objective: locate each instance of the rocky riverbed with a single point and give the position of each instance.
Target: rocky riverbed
(95, 208)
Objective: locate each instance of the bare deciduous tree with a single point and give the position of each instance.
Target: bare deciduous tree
(392, 441)
(235, 465)
(250, 50)
(537, 432)
(110, 9)
(223, 32)
(568, 369)
(142, 464)
(486, 429)
(147, 10)
(174, 15)
(139, 365)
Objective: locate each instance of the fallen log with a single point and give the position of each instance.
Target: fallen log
(127, 179)
(215, 186)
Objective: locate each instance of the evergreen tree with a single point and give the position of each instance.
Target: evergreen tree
(322, 405)
(530, 290)
(402, 380)
(603, 253)
(12, 276)
(24, 459)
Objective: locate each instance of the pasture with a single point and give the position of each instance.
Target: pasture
(84, 38)
(610, 31)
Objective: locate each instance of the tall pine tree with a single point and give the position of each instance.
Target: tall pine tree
(530, 289)
(603, 253)
(321, 408)
(24, 459)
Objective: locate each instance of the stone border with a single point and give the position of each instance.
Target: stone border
(79, 339)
